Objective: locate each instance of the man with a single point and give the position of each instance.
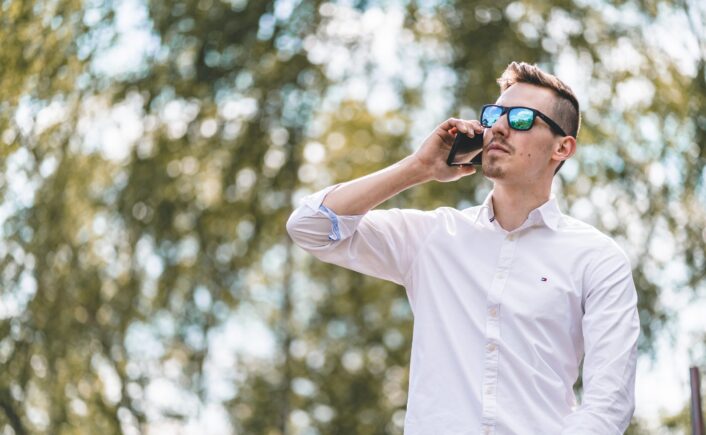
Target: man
(508, 296)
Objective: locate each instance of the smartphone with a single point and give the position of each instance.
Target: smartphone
(466, 150)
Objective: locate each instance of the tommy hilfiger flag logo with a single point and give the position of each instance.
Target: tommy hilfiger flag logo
(544, 279)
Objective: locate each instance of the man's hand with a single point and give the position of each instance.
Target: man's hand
(435, 149)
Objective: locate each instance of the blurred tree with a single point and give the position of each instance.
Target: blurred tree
(144, 200)
(49, 359)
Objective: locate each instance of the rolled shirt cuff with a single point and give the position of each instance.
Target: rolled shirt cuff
(342, 226)
(335, 233)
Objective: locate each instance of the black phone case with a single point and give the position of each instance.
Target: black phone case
(465, 144)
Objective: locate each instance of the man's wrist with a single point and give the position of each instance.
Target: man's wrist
(417, 172)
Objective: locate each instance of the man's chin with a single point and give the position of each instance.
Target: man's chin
(492, 171)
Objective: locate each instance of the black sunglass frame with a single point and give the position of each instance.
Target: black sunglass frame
(553, 125)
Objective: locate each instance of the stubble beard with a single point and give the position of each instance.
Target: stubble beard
(492, 167)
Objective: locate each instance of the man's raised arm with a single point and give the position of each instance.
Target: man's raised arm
(330, 225)
(428, 163)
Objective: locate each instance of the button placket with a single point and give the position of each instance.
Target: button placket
(492, 329)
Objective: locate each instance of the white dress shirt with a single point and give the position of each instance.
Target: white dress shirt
(501, 319)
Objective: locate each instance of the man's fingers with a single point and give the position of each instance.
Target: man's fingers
(448, 129)
(473, 128)
(469, 128)
(450, 123)
(446, 136)
(476, 126)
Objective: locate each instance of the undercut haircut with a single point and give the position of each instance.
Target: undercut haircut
(566, 108)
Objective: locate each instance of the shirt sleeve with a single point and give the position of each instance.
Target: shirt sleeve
(379, 243)
(611, 327)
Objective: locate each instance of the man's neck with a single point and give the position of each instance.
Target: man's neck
(512, 204)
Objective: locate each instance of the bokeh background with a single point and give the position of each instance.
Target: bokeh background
(151, 153)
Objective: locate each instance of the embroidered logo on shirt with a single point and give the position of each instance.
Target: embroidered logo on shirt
(544, 279)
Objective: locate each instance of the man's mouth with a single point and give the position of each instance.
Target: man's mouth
(495, 147)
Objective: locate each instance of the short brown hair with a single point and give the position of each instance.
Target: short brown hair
(566, 109)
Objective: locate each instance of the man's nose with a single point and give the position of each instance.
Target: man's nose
(501, 126)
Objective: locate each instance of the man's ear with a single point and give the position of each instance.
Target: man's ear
(564, 149)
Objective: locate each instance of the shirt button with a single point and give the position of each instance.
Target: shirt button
(489, 390)
(487, 431)
(493, 311)
(490, 347)
(501, 275)
(512, 237)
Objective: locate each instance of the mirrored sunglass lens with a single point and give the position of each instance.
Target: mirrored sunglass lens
(521, 119)
(490, 115)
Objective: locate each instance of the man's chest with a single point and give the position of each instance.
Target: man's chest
(529, 277)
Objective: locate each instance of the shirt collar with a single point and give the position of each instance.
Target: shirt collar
(550, 213)
(547, 213)
(486, 209)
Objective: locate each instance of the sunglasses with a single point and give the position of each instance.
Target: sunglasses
(519, 118)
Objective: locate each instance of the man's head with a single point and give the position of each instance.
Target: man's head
(541, 150)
